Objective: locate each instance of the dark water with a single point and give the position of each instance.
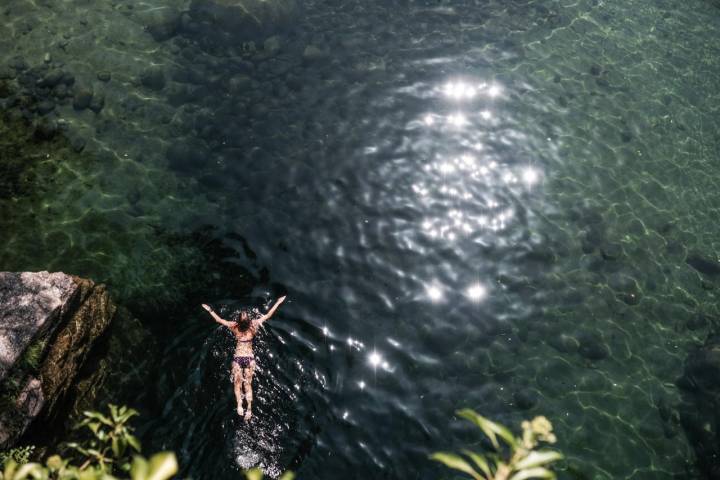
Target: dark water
(470, 204)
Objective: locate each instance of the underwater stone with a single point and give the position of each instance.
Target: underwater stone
(703, 265)
(611, 251)
(697, 322)
(78, 144)
(45, 107)
(313, 53)
(19, 64)
(7, 73)
(233, 20)
(591, 347)
(5, 90)
(525, 399)
(60, 91)
(162, 23)
(97, 103)
(45, 129)
(272, 45)
(563, 343)
(104, 76)
(51, 78)
(68, 79)
(82, 99)
(153, 78)
(187, 156)
(239, 83)
(630, 298)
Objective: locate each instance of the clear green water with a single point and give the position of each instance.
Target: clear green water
(471, 204)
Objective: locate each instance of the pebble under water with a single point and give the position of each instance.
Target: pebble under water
(509, 206)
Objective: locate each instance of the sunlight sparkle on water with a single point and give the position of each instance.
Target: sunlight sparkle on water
(459, 90)
(476, 292)
(434, 292)
(375, 358)
(494, 90)
(530, 176)
(457, 120)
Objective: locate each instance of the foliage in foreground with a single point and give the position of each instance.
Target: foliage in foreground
(257, 474)
(111, 450)
(519, 457)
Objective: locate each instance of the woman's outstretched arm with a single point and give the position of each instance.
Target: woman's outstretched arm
(271, 311)
(216, 317)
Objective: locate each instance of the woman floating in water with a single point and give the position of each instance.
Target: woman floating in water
(243, 365)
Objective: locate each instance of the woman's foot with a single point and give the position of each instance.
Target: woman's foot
(248, 414)
(240, 410)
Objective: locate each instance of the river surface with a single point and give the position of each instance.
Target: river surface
(484, 204)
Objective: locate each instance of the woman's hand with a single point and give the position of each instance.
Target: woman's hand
(207, 307)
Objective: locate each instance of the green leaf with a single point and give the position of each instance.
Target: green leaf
(139, 468)
(29, 470)
(538, 472)
(536, 459)
(254, 474)
(113, 412)
(10, 468)
(55, 462)
(162, 466)
(480, 461)
(456, 462)
(98, 416)
(287, 476)
(133, 442)
(489, 428)
(116, 448)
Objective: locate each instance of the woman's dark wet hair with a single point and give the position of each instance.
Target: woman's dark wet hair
(243, 320)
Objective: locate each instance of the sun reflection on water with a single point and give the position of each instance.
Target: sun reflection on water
(472, 186)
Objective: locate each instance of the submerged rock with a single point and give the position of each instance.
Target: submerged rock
(592, 347)
(313, 53)
(703, 265)
(82, 99)
(162, 22)
(241, 20)
(153, 78)
(187, 156)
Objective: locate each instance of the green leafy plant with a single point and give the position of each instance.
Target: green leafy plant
(112, 439)
(257, 474)
(160, 466)
(19, 454)
(516, 458)
(111, 449)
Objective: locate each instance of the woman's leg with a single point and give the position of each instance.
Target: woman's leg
(238, 381)
(247, 383)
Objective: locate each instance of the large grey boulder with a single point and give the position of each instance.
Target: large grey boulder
(30, 305)
(243, 20)
(49, 323)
